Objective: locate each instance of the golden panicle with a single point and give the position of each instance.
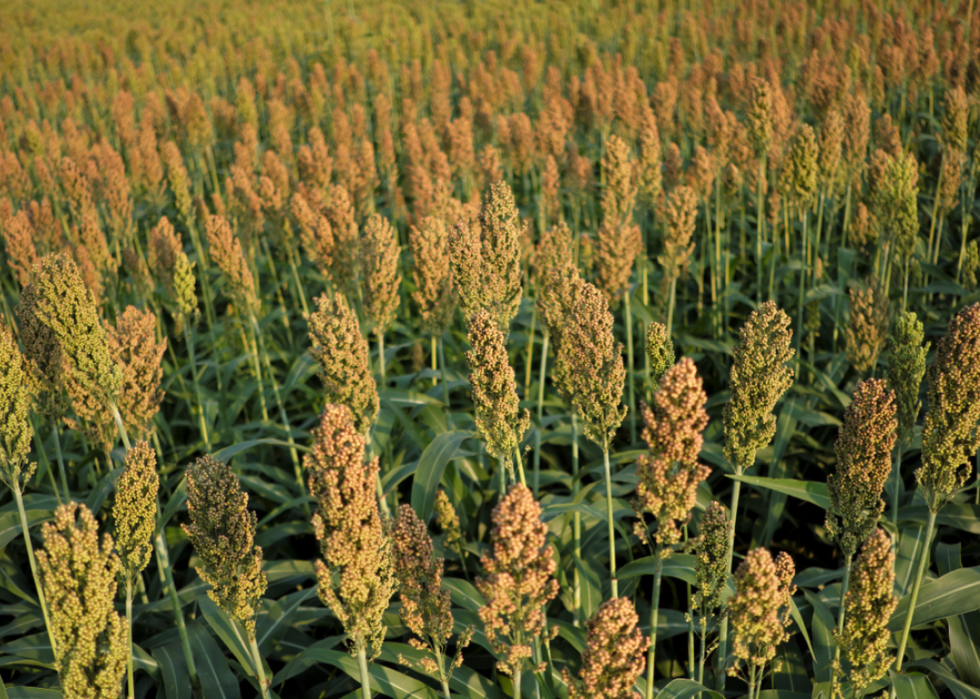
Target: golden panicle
(43, 359)
(669, 473)
(379, 261)
(342, 353)
(66, 306)
(355, 571)
(949, 435)
(448, 521)
(425, 605)
(135, 509)
(78, 573)
(222, 532)
(864, 460)
(178, 179)
(486, 262)
(225, 250)
(711, 560)
(346, 251)
(869, 604)
(906, 367)
(867, 329)
(431, 271)
(619, 240)
(499, 419)
(682, 212)
(517, 581)
(590, 362)
(660, 350)
(614, 655)
(134, 349)
(18, 238)
(759, 378)
(759, 611)
(15, 401)
(760, 115)
(649, 177)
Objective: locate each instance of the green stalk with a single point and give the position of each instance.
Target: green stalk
(723, 631)
(131, 685)
(33, 563)
(537, 441)
(920, 572)
(704, 639)
(609, 517)
(443, 677)
(119, 424)
(445, 385)
(751, 680)
(259, 665)
(840, 625)
(257, 368)
(517, 682)
(654, 619)
(381, 356)
(296, 281)
(189, 341)
(294, 454)
(160, 544)
(670, 307)
(362, 665)
(519, 460)
(760, 222)
(630, 378)
(530, 350)
(435, 365)
(576, 526)
(61, 460)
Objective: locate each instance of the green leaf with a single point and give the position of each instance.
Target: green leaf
(217, 679)
(794, 611)
(228, 631)
(173, 668)
(823, 641)
(177, 498)
(957, 592)
(101, 491)
(909, 549)
(431, 466)
(32, 693)
(305, 659)
(389, 682)
(686, 689)
(10, 523)
(271, 626)
(960, 689)
(964, 642)
(228, 452)
(402, 398)
(464, 594)
(811, 491)
(912, 685)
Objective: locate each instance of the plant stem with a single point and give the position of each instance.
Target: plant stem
(119, 424)
(61, 460)
(609, 517)
(840, 624)
(576, 526)
(517, 683)
(723, 631)
(33, 563)
(630, 378)
(898, 483)
(189, 341)
(259, 665)
(760, 224)
(129, 626)
(537, 442)
(381, 357)
(445, 385)
(670, 307)
(164, 563)
(914, 597)
(654, 619)
(435, 365)
(519, 460)
(530, 351)
(362, 665)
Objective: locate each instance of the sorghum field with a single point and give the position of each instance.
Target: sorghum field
(442, 349)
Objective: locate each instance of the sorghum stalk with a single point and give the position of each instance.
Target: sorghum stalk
(658, 567)
(949, 435)
(759, 377)
(537, 442)
(15, 445)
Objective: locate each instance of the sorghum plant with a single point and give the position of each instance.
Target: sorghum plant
(612, 661)
(517, 582)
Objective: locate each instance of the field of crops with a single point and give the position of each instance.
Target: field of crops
(442, 349)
